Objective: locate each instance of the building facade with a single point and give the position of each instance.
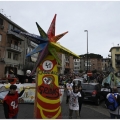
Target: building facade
(76, 65)
(93, 62)
(106, 64)
(115, 58)
(13, 48)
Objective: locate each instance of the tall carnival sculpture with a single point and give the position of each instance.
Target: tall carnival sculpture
(47, 96)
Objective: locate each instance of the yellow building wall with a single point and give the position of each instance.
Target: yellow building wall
(113, 52)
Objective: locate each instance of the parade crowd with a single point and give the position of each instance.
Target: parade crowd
(75, 94)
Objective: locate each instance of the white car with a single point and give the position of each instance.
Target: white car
(78, 79)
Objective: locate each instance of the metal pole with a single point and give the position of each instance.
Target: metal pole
(87, 51)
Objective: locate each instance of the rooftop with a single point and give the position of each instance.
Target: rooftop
(114, 48)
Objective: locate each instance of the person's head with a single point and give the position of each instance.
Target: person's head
(75, 89)
(13, 89)
(28, 72)
(114, 90)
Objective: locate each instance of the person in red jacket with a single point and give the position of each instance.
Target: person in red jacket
(10, 103)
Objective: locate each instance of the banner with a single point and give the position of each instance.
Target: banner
(29, 94)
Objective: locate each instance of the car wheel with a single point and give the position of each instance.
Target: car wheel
(98, 101)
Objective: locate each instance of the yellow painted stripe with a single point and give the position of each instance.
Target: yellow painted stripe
(43, 116)
(47, 100)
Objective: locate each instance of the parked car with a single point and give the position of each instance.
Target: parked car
(92, 92)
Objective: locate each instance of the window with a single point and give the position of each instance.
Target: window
(10, 27)
(0, 37)
(15, 56)
(20, 42)
(75, 63)
(9, 54)
(1, 21)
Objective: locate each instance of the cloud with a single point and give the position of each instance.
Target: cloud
(101, 19)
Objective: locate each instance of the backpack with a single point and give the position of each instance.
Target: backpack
(111, 102)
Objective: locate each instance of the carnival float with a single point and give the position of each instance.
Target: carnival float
(46, 94)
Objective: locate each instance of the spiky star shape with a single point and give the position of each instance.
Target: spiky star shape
(47, 44)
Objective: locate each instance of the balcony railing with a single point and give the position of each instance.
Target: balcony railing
(14, 48)
(9, 32)
(117, 59)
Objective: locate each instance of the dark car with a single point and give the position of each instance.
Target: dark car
(92, 92)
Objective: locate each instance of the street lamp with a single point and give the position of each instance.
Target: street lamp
(87, 52)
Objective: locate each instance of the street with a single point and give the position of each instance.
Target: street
(89, 111)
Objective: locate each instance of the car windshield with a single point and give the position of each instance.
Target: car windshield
(88, 87)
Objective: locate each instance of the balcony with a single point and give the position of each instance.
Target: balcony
(17, 36)
(117, 59)
(117, 65)
(14, 48)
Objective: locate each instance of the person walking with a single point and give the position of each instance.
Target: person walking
(114, 106)
(10, 103)
(68, 85)
(73, 101)
(80, 99)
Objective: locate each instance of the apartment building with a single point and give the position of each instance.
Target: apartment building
(13, 48)
(93, 62)
(69, 64)
(106, 64)
(76, 65)
(115, 58)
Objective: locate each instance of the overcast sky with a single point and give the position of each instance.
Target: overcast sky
(101, 19)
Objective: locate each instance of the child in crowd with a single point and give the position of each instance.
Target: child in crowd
(73, 101)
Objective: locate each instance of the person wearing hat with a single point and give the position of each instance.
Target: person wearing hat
(10, 102)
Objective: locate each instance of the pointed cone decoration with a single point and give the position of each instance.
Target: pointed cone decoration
(41, 31)
(56, 38)
(39, 48)
(51, 30)
(61, 49)
(55, 55)
(41, 56)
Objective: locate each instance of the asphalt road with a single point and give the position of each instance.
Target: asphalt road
(89, 111)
